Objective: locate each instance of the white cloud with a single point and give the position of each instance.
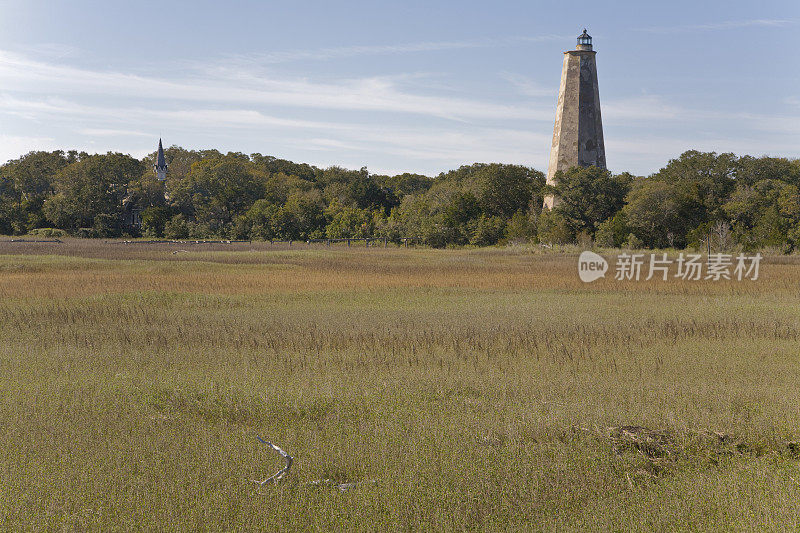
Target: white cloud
(390, 121)
(722, 25)
(527, 86)
(321, 54)
(242, 86)
(13, 146)
(647, 107)
(110, 132)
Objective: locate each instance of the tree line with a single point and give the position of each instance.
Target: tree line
(751, 202)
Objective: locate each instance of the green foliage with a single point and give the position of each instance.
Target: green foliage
(48, 232)
(613, 232)
(210, 194)
(503, 190)
(154, 219)
(553, 228)
(273, 165)
(660, 213)
(106, 225)
(488, 231)
(763, 214)
(348, 222)
(176, 227)
(261, 221)
(25, 184)
(92, 188)
(302, 217)
(58, 211)
(750, 170)
(405, 184)
(589, 196)
(633, 242)
(521, 227)
(221, 189)
(707, 178)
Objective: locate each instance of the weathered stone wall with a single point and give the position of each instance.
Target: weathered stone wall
(578, 131)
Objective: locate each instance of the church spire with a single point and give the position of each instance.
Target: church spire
(160, 168)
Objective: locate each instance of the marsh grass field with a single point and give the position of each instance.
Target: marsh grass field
(477, 388)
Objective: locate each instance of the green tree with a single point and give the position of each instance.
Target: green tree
(552, 228)
(25, 184)
(349, 222)
(302, 217)
(587, 196)
(661, 213)
(750, 170)
(502, 190)
(154, 219)
(763, 214)
(222, 188)
(521, 227)
(92, 187)
(707, 177)
(177, 227)
(405, 184)
(488, 231)
(613, 232)
(261, 221)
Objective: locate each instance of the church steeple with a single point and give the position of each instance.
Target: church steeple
(160, 168)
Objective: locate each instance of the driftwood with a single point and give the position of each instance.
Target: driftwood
(279, 475)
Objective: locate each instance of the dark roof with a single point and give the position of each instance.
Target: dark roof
(160, 161)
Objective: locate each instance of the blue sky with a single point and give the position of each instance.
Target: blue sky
(395, 86)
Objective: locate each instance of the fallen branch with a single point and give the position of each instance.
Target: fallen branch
(280, 473)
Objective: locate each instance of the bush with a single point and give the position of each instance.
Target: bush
(154, 219)
(176, 228)
(633, 242)
(48, 232)
(613, 232)
(521, 227)
(553, 228)
(488, 231)
(106, 225)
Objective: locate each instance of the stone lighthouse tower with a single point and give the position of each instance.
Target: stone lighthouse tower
(578, 132)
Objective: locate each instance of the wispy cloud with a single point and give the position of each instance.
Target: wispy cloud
(640, 108)
(409, 121)
(437, 147)
(527, 86)
(792, 101)
(109, 132)
(722, 25)
(322, 54)
(13, 146)
(229, 85)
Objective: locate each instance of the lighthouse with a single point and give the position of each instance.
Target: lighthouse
(160, 168)
(578, 131)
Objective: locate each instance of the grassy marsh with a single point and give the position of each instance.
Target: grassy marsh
(476, 386)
